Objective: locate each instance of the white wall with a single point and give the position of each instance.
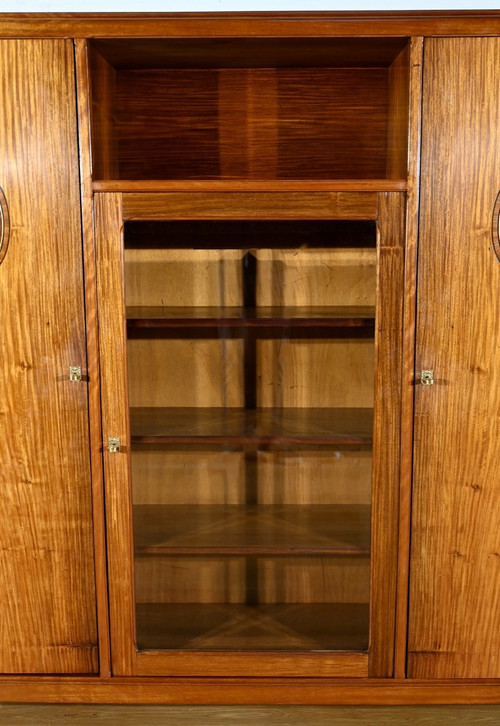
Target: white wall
(235, 5)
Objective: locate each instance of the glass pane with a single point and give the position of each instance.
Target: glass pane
(251, 369)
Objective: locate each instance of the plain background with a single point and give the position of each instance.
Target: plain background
(165, 6)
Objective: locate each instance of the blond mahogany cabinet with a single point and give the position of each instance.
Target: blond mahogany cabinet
(250, 358)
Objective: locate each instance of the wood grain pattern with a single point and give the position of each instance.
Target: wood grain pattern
(79, 715)
(101, 94)
(387, 432)
(114, 391)
(243, 53)
(408, 364)
(47, 611)
(347, 665)
(94, 390)
(454, 624)
(251, 205)
(398, 116)
(291, 25)
(255, 690)
(187, 123)
(250, 185)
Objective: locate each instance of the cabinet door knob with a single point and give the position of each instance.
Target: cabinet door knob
(427, 377)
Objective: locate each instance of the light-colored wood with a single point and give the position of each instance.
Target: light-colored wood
(207, 477)
(251, 185)
(305, 276)
(239, 205)
(255, 690)
(47, 611)
(281, 579)
(79, 715)
(397, 127)
(94, 391)
(174, 277)
(314, 477)
(112, 344)
(192, 372)
(454, 623)
(284, 477)
(292, 373)
(408, 365)
(386, 431)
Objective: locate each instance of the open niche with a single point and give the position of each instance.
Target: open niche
(249, 108)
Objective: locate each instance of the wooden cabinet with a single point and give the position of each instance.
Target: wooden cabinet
(47, 607)
(244, 477)
(219, 219)
(454, 594)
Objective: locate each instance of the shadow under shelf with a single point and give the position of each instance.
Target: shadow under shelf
(260, 426)
(310, 627)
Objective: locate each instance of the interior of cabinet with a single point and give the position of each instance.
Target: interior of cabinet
(251, 468)
(249, 108)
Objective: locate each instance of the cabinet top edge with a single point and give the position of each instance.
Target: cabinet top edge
(341, 23)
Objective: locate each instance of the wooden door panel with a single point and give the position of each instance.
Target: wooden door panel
(454, 626)
(47, 608)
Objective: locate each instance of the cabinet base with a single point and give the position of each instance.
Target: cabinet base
(250, 691)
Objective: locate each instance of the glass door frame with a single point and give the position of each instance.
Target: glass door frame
(112, 210)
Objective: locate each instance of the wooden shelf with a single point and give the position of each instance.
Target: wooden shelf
(237, 426)
(252, 530)
(238, 317)
(237, 627)
(250, 185)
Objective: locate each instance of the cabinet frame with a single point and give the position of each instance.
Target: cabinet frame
(111, 211)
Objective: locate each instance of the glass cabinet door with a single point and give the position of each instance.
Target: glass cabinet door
(250, 358)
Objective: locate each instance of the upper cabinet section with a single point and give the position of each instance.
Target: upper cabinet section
(275, 109)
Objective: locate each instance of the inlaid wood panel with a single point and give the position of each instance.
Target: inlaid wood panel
(454, 624)
(47, 608)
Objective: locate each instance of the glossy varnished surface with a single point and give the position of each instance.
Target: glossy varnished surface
(232, 627)
(454, 624)
(243, 529)
(47, 608)
(263, 425)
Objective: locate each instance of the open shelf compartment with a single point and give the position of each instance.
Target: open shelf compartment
(253, 109)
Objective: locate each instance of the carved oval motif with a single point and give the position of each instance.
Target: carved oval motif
(495, 227)
(4, 225)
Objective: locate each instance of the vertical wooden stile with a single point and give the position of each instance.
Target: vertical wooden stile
(386, 432)
(112, 345)
(408, 370)
(83, 109)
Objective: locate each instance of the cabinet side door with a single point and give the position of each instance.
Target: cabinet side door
(47, 606)
(454, 624)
